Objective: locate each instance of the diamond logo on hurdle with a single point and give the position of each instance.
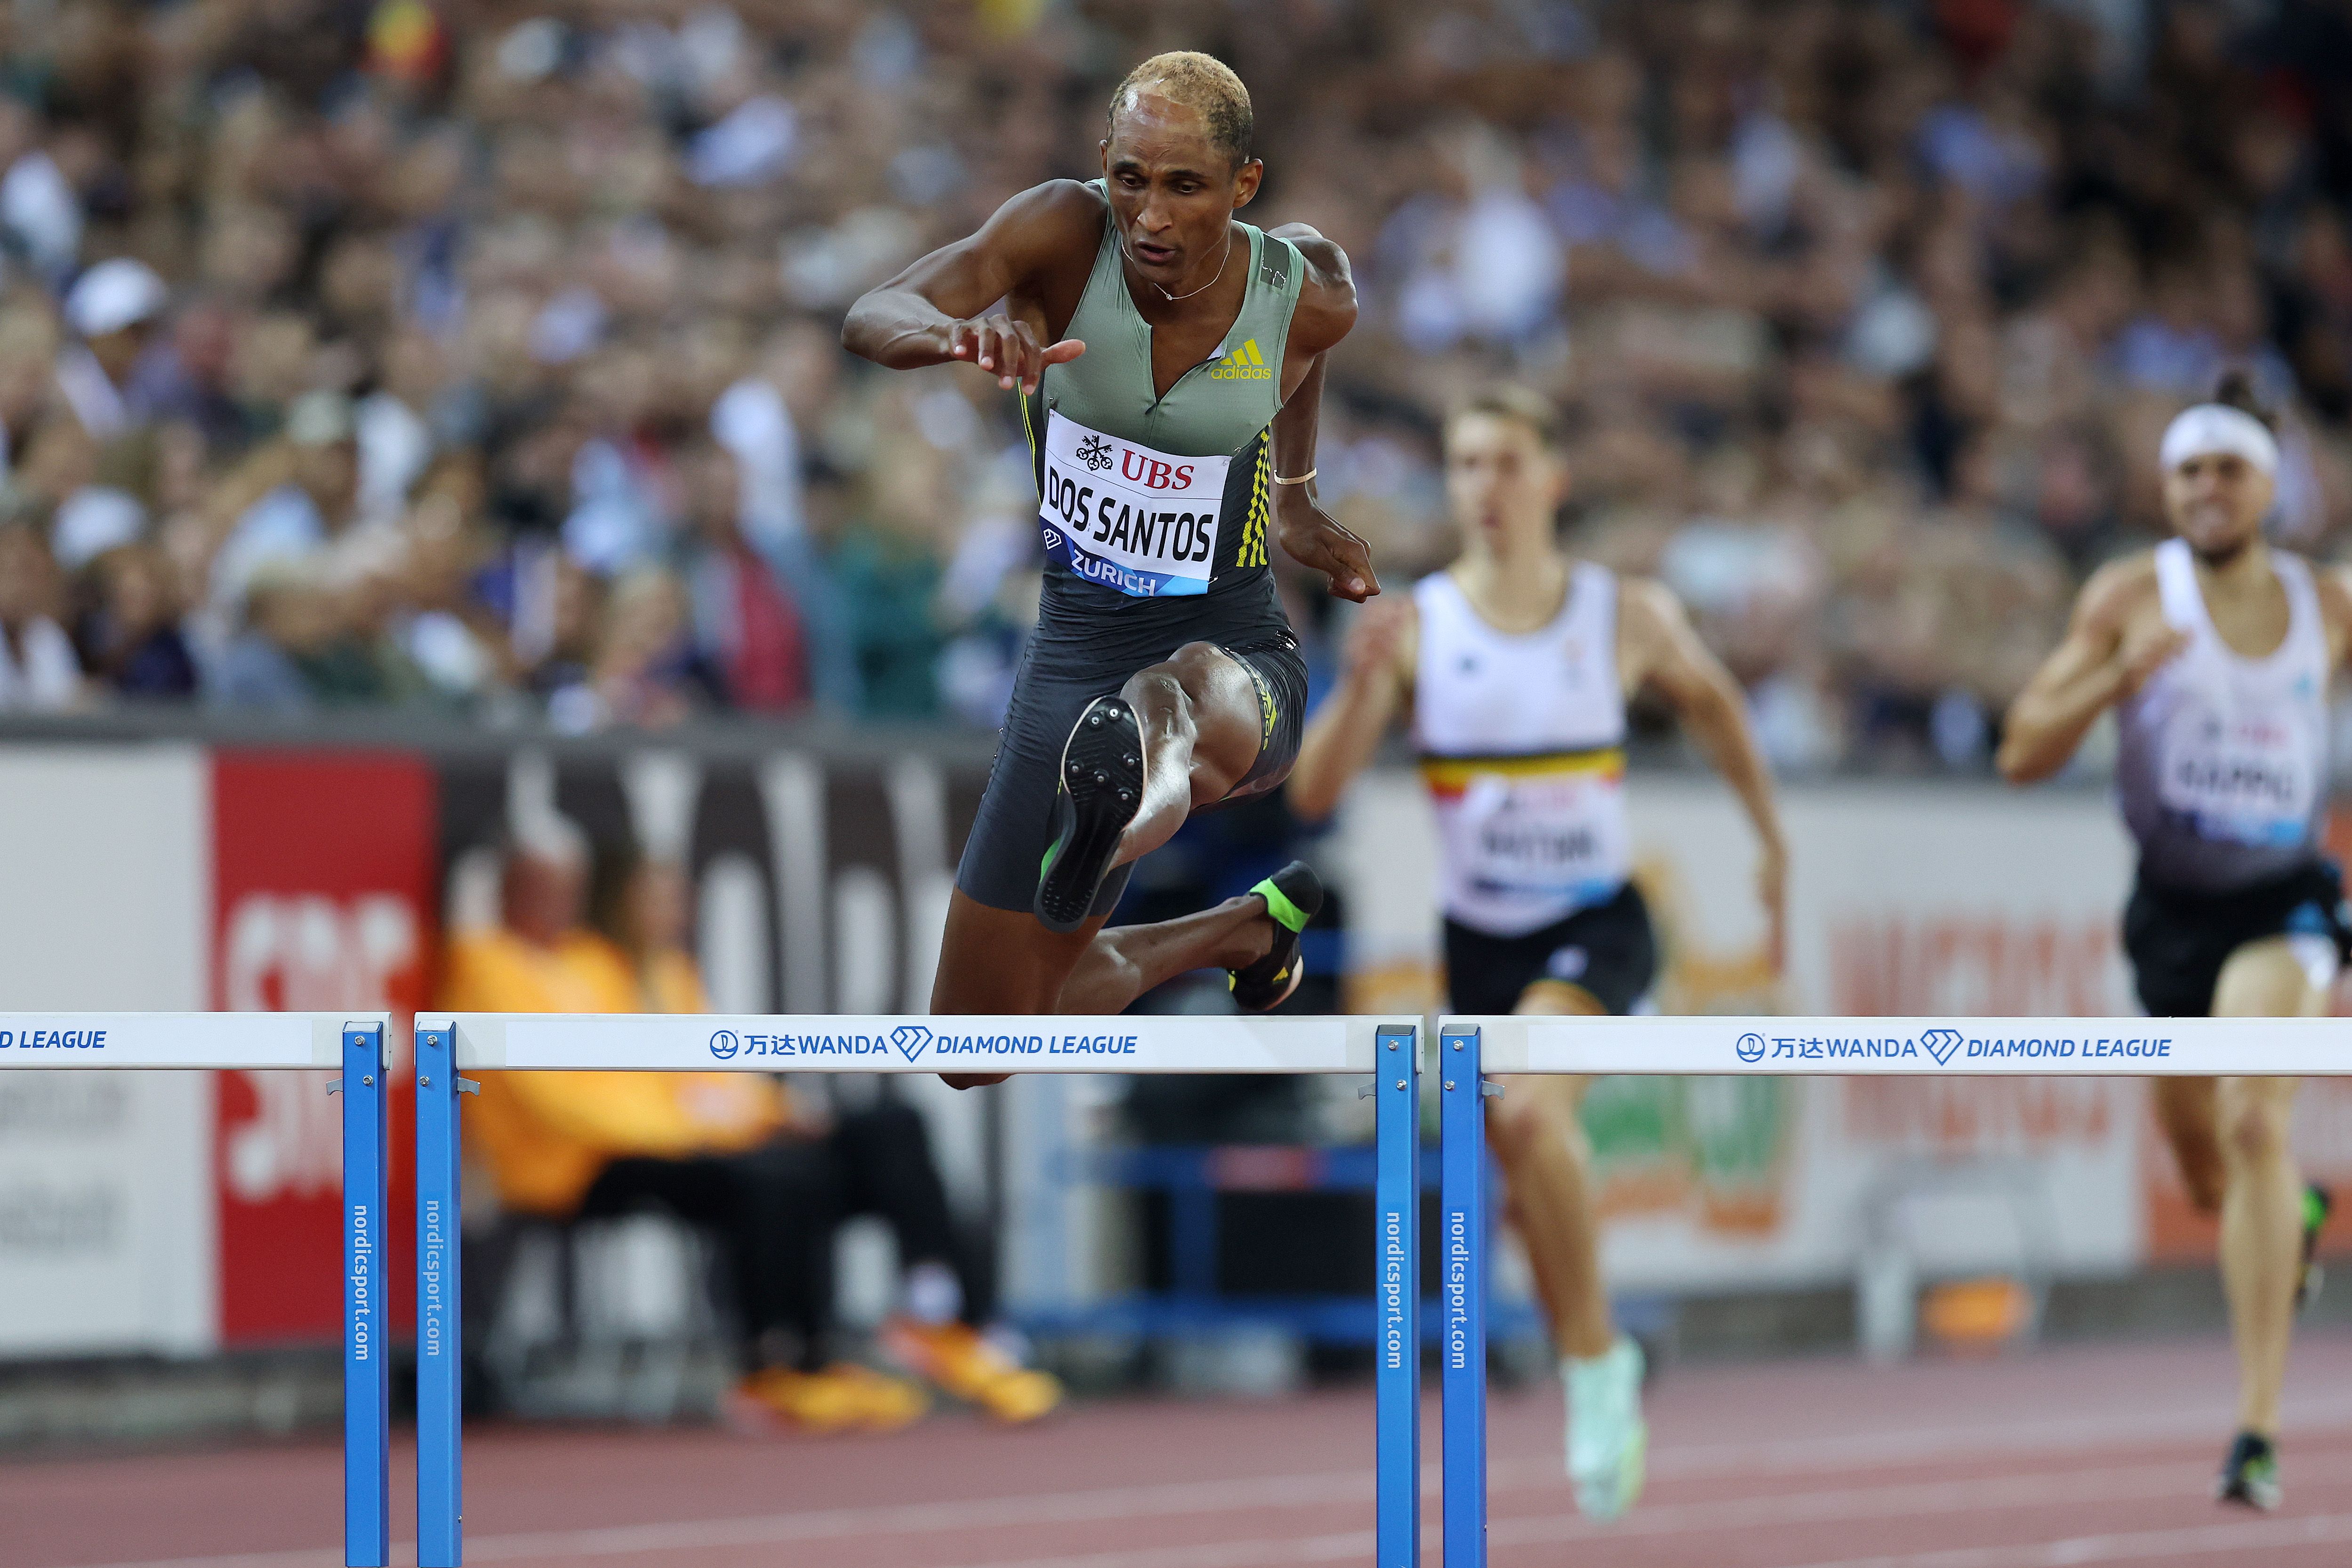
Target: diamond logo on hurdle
(910, 1039)
(724, 1044)
(1941, 1043)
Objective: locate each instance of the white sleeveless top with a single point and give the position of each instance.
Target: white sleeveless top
(2222, 770)
(1521, 740)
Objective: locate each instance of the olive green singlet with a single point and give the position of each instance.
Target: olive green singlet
(1161, 496)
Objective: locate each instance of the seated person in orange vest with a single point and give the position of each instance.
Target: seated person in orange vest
(721, 1149)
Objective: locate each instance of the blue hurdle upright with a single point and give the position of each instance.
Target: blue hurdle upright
(448, 1046)
(354, 1043)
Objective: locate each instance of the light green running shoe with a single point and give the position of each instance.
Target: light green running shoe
(1608, 1441)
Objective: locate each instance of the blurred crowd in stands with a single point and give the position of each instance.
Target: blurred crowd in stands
(482, 358)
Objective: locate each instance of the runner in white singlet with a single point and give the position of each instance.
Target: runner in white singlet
(2217, 652)
(1515, 665)
(1521, 740)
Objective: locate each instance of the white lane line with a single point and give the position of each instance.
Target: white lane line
(1217, 1497)
(2137, 1546)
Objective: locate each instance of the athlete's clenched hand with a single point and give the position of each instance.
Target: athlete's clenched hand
(2148, 649)
(1010, 347)
(1314, 538)
(1376, 640)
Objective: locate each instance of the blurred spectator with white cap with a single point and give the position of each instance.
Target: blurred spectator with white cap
(94, 520)
(113, 310)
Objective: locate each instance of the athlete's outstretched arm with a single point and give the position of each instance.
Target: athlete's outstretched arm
(2093, 669)
(1659, 648)
(1374, 682)
(932, 314)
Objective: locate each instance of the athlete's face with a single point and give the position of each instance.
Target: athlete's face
(1503, 486)
(2217, 501)
(1172, 191)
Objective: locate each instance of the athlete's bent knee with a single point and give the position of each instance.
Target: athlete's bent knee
(1196, 666)
(1159, 689)
(2254, 1131)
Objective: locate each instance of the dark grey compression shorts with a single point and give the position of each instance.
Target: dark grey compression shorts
(1088, 642)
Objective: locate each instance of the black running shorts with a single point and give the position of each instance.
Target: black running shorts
(2178, 939)
(1089, 650)
(1607, 950)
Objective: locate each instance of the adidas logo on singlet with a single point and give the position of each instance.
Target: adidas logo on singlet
(1244, 364)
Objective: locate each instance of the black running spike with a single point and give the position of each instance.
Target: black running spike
(1094, 798)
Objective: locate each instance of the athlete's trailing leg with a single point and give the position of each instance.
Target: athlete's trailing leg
(1254, 937)
(2184, 1108)
(1545, 1162)
(1547, 1166)
(996, 961)
(2262, 1200)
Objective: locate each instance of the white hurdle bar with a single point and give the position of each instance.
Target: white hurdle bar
(2133, 1047)
(1468, 1049)
(1386, 1050)
(352, 1042)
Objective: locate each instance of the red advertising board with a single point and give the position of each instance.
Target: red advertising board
(323, 895)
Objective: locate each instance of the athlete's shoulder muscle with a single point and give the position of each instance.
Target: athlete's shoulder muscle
(1647, 608)
(2116, 593)
(1034, 251)
(1654, 635)
(1327, 299)
(1048, 229)
(2334, 584)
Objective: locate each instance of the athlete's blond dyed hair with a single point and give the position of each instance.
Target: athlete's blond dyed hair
(1201, 82)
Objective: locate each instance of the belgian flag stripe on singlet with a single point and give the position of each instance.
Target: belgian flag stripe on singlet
(1449, 775)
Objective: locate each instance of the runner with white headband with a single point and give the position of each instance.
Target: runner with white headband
(2217, 651)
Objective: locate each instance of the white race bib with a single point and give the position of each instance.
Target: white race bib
(1124, 515)
(2246, 778)
(1544, 837)
(1520, 850)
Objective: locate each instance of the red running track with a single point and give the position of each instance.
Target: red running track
(2049, 1460)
